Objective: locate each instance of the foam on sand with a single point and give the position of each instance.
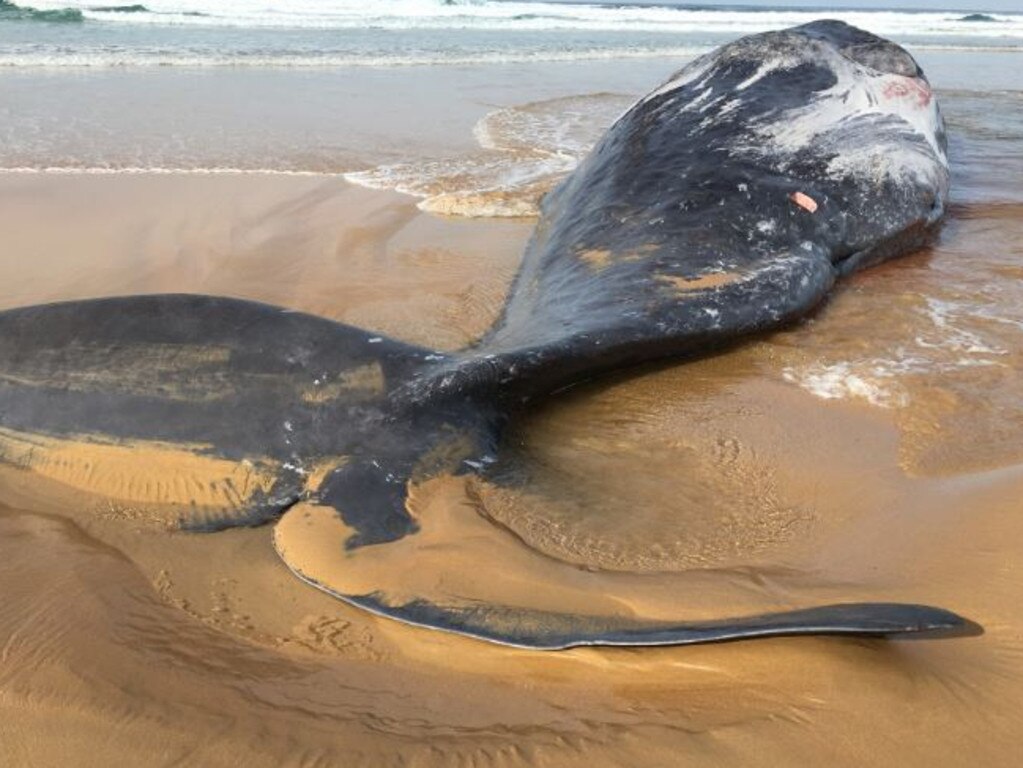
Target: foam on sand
(524, 151)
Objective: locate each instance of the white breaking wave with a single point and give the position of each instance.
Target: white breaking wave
(177, 58)
(114, 59)
(527, 16)
(378, 33)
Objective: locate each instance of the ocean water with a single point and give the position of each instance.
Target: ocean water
(77, 33)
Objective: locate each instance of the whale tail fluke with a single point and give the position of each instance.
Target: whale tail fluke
(548, 631)
(228, 413)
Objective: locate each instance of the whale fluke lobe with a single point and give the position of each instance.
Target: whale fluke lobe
(726, 203)
(551, 631)
(226, 410)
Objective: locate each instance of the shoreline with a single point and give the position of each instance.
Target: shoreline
(332, 121)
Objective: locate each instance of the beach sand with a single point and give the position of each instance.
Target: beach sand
(734, 482)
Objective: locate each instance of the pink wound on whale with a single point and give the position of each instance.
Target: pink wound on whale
(804, 201)
(909, 88)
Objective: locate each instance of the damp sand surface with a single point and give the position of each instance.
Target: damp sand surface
(729, 481)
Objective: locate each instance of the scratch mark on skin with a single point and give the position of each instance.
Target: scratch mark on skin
(363, 383)
(703, 282)
(598, 259)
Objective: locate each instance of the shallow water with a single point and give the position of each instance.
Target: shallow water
(874, 452)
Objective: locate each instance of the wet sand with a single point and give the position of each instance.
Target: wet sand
(723, 487)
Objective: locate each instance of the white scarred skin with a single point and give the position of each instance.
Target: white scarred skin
(863, 92)
(860, 91)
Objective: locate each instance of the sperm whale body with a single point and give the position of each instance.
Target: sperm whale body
(724, 204)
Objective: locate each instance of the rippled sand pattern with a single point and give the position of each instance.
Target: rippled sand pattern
(679, 451)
